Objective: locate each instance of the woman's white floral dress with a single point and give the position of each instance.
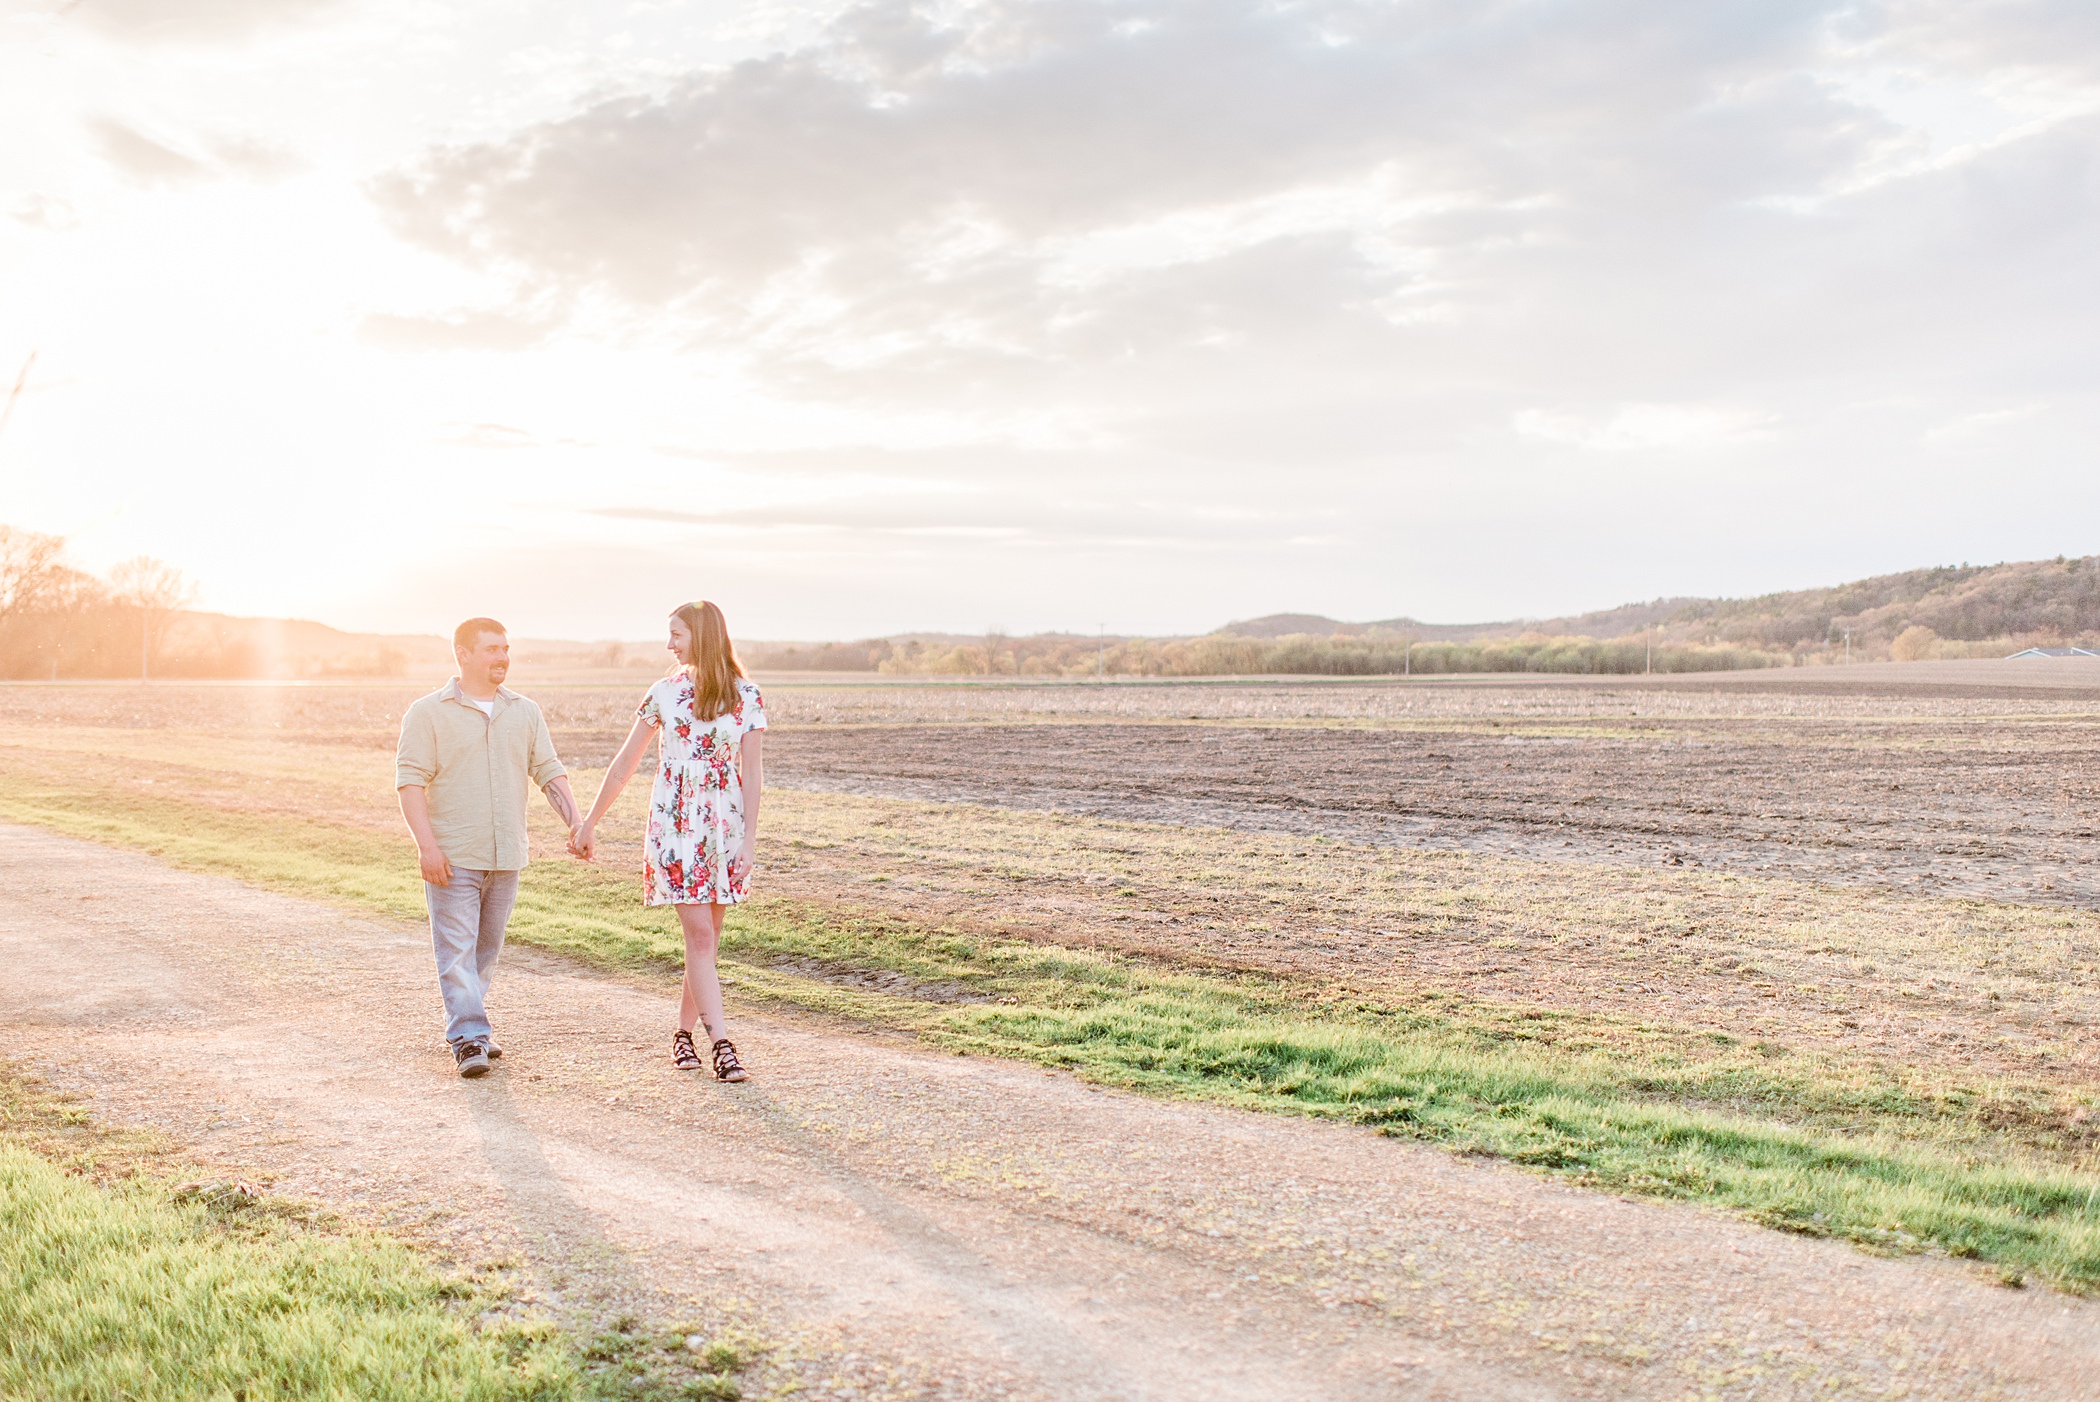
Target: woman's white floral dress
(696, 813)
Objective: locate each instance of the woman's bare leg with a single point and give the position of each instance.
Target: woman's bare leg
(702, 1000)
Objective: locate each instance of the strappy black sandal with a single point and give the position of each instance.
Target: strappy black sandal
(684, 1055)
(727, 1067)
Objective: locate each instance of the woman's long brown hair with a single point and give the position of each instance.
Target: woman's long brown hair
(713, 666)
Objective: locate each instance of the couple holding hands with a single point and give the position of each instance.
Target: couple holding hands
(467, 754)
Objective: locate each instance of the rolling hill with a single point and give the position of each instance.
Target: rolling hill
(2026, 602)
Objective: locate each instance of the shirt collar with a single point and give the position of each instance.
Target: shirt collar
(454, 692)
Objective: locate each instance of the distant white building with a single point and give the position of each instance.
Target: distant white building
(2054, 652)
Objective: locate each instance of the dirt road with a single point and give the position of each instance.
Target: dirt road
(902, 1223)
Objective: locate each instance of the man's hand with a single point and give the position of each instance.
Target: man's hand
(583, 841)
(415, 808)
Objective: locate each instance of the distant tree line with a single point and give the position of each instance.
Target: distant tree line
(1064, 655)
(864, 656)
(57, 621)
(1948, 611)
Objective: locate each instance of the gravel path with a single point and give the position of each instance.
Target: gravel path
(900, 1223)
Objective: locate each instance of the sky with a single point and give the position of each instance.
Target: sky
(1140, 315)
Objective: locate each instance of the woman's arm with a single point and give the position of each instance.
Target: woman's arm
(753, 768)
(585, 839)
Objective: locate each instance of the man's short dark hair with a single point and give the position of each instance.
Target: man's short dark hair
(469, 632)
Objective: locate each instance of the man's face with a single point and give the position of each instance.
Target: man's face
(486, 663)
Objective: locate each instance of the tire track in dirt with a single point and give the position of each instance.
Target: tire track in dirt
(901, 1223)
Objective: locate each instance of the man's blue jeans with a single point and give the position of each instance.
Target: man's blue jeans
(466, 930)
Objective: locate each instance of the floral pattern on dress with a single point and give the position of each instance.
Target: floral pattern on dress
(696, 810)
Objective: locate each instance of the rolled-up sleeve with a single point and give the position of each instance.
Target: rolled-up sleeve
(416, 757)
(544, 764)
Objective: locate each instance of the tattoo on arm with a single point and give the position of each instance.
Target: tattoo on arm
(558, 795)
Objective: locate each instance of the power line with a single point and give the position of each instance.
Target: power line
(16, 393)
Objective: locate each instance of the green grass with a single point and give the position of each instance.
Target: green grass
(127, 1292)
(118, 1282)
(1805, 1143)
(115, 1283)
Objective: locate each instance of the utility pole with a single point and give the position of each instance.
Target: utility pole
(1649, 670)
(1848, 647)
(1407, 664)
(152, 585)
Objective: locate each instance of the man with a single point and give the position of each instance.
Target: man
(466, 752)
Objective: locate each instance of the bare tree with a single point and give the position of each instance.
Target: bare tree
(156, 589)
(30, 574)
(35, 591)
(42, 601)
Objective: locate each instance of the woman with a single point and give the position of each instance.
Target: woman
(703, 815)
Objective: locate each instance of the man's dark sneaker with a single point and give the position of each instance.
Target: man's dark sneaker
(472, 1058)
(494, 1051)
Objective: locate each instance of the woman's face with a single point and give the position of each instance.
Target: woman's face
(681, 644)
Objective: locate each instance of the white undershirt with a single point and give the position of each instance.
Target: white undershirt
(488, 707)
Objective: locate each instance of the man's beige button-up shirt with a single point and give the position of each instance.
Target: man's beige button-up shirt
(473, 769)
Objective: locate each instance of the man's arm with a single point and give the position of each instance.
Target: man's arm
(415, 808)
(563, 802)
(553, 780)
(415, 765)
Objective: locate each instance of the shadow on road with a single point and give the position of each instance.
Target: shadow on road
(565, 1244)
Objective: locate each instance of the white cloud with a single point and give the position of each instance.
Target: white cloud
(1644, 427)
(142, 158)
(924, 188)
(36, 210)
(193, 21)
(1146, 311)
(458, 330)
(1979, 426)
(158, 163)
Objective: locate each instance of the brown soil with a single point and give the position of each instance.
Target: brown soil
(898, 1223)
(1902, 984)
(2005, 811)
(1987, 806)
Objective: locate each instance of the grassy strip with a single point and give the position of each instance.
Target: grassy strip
(129, 1288)
(1906, 1174)
(1801, 1143)
(128, 1293)
(115, 1282)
